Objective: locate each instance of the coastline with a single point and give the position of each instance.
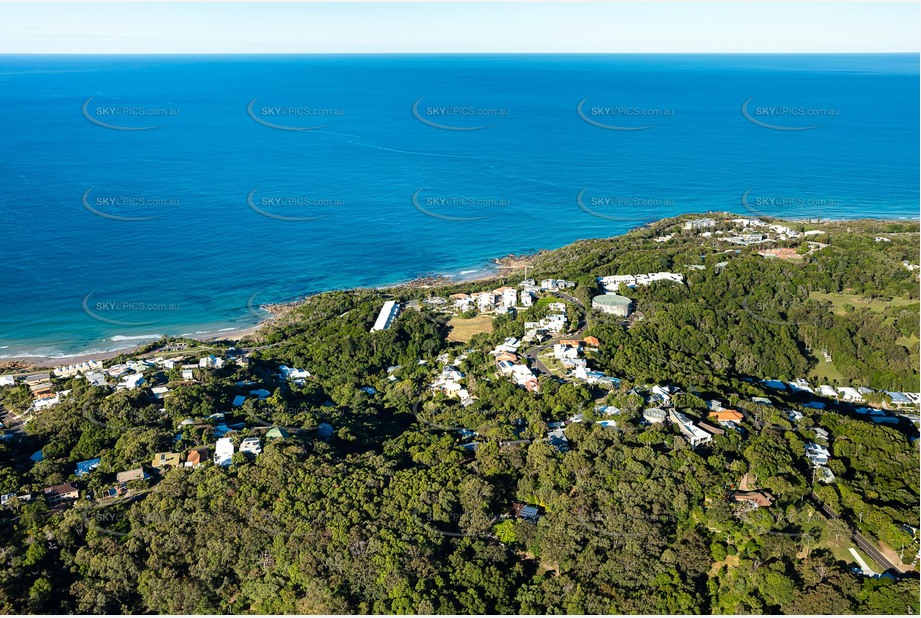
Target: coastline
(494, 268)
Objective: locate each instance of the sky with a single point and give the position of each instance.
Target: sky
(623, 27)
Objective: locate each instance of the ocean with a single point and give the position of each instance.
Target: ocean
(147, 195)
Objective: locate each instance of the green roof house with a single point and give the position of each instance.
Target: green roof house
(277, 432)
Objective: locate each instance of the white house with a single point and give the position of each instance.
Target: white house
(527, 298)
(7, 380)
(95, 378)
(850, 394)
(694, 224)
(385, 318)
(663, 393)
(554, 323)
(827, 391)
(485, 300)
(817, 454)
(800, 384)
(132, 381)
(692, 433)
(288, 373)
(223, 452)
(251, 446)
(46, 402)
(211, 361)
(159, 392)
(561, 351)
(509, 296)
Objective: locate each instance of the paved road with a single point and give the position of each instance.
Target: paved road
(862, 541)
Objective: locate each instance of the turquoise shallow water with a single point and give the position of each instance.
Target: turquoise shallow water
(147, 195)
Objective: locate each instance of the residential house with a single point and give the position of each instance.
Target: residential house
(223, 452)
(817, 454)
(60, 493)
(159, 392)
(137, 474)
(132, 381)
(508, 295)
(562, 351)
(759, 499)
(827, 391)
(7, 380)
(5, 498)
(693, 434)
(572, 363)
(527, 298)
(37, 378)
(387, 315)
(251, 446)
(554, 323)
(800, 384)
(661, 394)
(196, 457)
(211, 362)
(96, 378)
(524, 511)
(557, 438)
(85, 467)
(485, 300)
(899, 399)
(288, 373)
(45, 401)
(850, 394)
(726, 415)
(277, 433)
(462, 301)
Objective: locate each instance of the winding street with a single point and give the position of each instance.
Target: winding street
(531, 353)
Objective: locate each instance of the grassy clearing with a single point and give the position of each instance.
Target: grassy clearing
(464, 329)
(552, 363)
(839, 300)
(909, 342)
(825, 372)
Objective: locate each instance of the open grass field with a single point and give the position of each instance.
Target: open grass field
(839, 300)
(464, 329)
(825, 372)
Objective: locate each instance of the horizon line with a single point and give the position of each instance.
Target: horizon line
(474, 53)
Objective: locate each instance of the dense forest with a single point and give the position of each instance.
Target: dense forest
(389, 514)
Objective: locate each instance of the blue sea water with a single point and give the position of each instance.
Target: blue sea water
(408, 165)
